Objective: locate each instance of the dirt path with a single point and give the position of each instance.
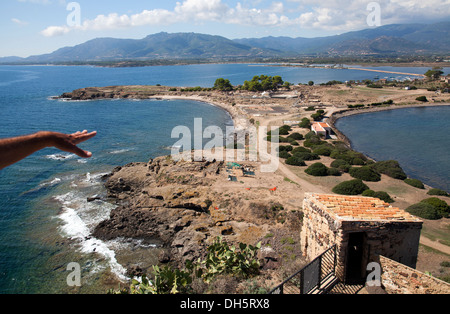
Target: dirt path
(381, 71)
(435, 245)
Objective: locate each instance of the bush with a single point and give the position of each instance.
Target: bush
(352, 187)
(296, 136)
(381, 195)
(301, 150)
(313, 142)
(422, 98)
(287, 148)
(317, 170)
(341, 164)
(437, 192)
(390, 168)
(306, 155)
(440, 205)
(295, 161)
(305, 124)
(424, 210)
(365, 173)
(322, 150)
(368, 193)
(415, 183)
(284, 154)
(334, 172)
(351, 157)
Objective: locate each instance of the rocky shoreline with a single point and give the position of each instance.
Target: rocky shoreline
(185, 205)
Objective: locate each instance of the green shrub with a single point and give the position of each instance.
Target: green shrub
(351, 157)
(287, 148)
(301, 150)
(422, 98)
(296, 136)
(341, 164)
(305, 124)
(166, 281)
(368, 193)
(437, 192)
(224, 259)
(284, 154)
(313, 142)
(390, 168)
(318, 170)
(365, 173)
(441, 206)
(415, 183)
(334, 172)
(322, 150)
(424, 210)
(306, 156)
(295, 161)
(383, 196)
(352, 187)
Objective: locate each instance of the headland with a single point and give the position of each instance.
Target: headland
(187, 204)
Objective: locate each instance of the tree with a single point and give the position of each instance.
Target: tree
(310, 83)
(223, 85)
(434, 73)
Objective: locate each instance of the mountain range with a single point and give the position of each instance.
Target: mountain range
(389, 40)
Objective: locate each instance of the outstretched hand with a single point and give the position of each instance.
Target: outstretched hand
(68, 143)
(15, 149)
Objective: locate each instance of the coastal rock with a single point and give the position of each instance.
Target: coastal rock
(185, 205)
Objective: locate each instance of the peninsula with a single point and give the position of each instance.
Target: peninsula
(187, 204)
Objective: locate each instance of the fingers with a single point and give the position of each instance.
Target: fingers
(80, 137)
(68, 143)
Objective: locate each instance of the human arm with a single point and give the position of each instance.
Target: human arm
(15, 149)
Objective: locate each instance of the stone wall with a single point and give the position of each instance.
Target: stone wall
(395, 239)
(397, 278)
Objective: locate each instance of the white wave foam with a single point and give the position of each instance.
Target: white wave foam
(61, 156)
(120, 151)
(79, 217)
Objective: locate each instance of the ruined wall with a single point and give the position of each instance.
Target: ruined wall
(397, 278)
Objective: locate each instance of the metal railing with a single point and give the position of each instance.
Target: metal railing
(312, 277)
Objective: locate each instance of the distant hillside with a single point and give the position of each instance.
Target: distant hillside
(157, 46)
(389, 40)
(395, 39)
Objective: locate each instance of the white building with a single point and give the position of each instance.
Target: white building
(321, 128)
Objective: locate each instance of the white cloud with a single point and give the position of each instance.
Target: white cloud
(334, 15)
(19, 22)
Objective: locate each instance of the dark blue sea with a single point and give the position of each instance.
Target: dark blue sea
(45, 219)
(416, 137)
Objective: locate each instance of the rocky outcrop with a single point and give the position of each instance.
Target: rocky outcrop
(108, 92)
(172, 202)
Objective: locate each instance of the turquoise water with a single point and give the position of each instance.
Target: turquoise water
(416, 137)
(45, 220)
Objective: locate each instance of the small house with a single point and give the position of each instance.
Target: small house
(321, 128)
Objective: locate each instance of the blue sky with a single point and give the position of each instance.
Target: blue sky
(30, 27)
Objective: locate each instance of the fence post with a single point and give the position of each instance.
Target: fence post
(302, 278)
(319, 280)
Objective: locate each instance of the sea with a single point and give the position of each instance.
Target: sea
(45, 218)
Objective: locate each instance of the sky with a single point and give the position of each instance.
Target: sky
(33, 27)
